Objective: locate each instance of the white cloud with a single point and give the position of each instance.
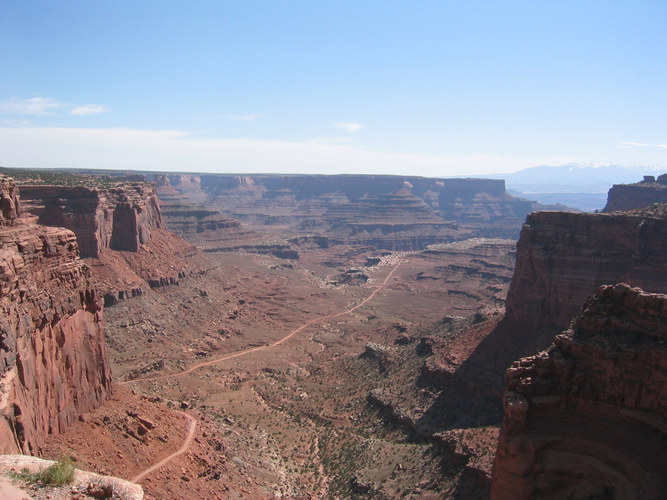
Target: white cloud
(243, 118)
(33, 106)
(349, 127)
(170, 150)
(89, 109)
(629, 145)
(45, 106)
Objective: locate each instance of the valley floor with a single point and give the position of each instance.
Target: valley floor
(322, 377)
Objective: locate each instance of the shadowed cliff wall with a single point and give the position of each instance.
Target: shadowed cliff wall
(562, 258)
(587, 418)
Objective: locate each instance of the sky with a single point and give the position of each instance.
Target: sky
(433, 88)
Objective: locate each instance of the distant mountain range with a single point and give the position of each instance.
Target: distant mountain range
(582, 187)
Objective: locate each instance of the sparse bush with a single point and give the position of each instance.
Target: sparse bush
(60, 473)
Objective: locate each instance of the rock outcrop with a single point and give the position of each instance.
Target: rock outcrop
(587, 418)
(630, 196)
(9, 201)
(115, 221)
(118, 217)
(53, 360)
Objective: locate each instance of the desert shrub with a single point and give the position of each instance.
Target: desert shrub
(60, 473)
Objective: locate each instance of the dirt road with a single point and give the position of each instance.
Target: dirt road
(193, 423)
(192, 428)
(274, 344)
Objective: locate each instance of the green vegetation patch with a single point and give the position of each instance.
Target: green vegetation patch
(60, 473)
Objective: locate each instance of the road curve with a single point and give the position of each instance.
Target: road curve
(193, 422)
(268, 346)
(192, 428)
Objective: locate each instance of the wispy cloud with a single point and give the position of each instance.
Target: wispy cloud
(16, 123)
(34, 106)
(243, 118)
(331, 140)
(349, 127)
(45, 106)
(89, 109)
(170, 150)
(629, 145)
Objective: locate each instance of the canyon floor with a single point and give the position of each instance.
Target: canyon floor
(318, 377)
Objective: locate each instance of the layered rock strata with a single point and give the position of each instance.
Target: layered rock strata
(563, 257)
(630, 196)
(120, 217)
(587, 418)
(186, 219)
(53, 360)
(359, 205)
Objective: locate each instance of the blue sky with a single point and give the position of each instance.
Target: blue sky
(431, 88)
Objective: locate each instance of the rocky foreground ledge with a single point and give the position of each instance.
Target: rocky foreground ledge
(85, 484)
(587, 418)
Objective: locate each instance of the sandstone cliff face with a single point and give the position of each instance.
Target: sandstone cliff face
(9, 201)
(119, 217)
(638, 195)
(53, 360)
(119, 227)
(587, 418)
(563, 257)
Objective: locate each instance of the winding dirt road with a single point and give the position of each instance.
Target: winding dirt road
(192, 428)
(269, 346)
(193, 423)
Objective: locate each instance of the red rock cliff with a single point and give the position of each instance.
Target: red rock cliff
(53, 362)
(587, 418)
(638, 195)
(9, 201)
(119, 217)
(563, 257)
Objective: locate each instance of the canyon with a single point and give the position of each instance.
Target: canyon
(392, 212)
(340, 336)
